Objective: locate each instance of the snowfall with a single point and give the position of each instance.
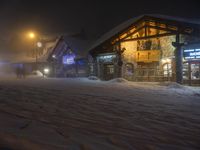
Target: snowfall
(38, 113)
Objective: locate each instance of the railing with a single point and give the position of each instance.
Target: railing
(148, 56)
(149, 74)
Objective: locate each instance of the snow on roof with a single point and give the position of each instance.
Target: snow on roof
(47, 50)
(78, 45)
(129, 22)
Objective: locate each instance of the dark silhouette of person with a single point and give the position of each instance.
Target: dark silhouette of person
(18, 72)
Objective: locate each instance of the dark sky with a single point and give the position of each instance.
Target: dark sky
(64, 16)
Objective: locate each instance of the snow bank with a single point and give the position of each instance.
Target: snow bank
(118, 80)
(181, 89)
(172, 85)
(78, 113)
(93, 78)
(36, 74)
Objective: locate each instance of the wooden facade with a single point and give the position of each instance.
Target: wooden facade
(146, 48)
(67, 58)
(62, 57)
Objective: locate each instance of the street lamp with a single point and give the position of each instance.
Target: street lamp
(31, 35)
(37, 44)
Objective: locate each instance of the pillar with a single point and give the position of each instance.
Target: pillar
(178, 60)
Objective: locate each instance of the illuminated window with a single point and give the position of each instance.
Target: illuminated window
(185, 71)
(69, 59)
(195, 71)
(167, 70)
(109, 69)
(129, 69)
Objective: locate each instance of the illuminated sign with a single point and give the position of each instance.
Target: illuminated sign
(69, 59)
(106, 58)
(191, 54)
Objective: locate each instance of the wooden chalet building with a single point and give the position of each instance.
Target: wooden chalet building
(61, 57)
(148, 48)
(68, 58)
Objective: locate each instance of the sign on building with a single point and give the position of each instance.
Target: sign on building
(190, 54)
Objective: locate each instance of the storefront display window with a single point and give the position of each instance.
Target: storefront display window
(195, 71)
(109, 69)
(185, 71)
(129, 69)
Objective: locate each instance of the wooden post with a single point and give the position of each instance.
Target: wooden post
(120, 62)
(178, 60)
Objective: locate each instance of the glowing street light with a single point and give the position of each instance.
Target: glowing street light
(37, 44)
(31, 35)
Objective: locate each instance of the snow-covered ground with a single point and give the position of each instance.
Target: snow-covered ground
(82, 114)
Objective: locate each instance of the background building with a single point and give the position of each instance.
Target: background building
(146, 48)
(60, 57)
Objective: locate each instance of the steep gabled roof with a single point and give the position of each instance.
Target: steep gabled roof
(120, 28)
(77, 45)
(49, 48)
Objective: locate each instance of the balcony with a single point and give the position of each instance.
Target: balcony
(148, 56)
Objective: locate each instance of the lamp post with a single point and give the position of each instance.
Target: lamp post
(119, 51)
(37, 45)
(178, 59)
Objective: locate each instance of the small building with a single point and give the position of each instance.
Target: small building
(60, 57)
(69, 58)
(146, 48)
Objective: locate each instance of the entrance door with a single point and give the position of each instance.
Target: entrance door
(191, 73)
(195, 71)
(108, 71)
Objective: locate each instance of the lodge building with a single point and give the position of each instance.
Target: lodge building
(149, 48)
(63, 56)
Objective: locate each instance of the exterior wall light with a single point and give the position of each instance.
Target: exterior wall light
(39, 44)
(46, 70)
(54, 56)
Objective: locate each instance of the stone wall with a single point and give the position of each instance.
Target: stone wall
(129, 56)
(167, 49)
(164, 44)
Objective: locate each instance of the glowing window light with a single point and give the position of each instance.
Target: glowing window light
(54, 56)
(39, 44)
(69, 59)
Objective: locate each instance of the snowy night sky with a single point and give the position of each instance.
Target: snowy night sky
(94, 16)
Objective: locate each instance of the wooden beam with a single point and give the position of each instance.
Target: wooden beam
(160, 28)
(128, 35)
(148, 37)
(128, 29)
(169, 30)
(145, 28)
